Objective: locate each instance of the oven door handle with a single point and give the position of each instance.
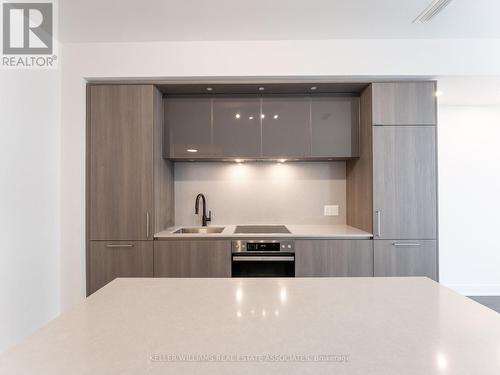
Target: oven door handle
(263, 259)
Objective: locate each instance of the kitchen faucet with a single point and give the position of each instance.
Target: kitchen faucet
(204, 218)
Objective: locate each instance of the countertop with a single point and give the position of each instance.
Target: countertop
(297, 231)
(376, 326)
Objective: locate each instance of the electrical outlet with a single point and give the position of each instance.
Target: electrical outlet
(331, 210)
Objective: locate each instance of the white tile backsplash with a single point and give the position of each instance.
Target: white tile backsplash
(261, 192)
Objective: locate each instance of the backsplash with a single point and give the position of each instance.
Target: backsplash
(261, 192)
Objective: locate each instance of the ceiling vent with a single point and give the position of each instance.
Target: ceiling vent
(432, 11)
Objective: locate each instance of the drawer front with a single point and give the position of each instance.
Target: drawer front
(112, 259)
(405, 258)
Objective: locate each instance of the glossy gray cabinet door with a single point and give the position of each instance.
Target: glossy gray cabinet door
(286, 130)
(405, 258)
(334, 127)
(236, 127)
(189, 123)
(404, 182)
(404, 103)
(333, 258)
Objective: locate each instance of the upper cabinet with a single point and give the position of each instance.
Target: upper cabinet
(258, 127)
(188, 121)
(120, 164)
(404, 103)
(334, 127)
(236, 127)
(286, 127)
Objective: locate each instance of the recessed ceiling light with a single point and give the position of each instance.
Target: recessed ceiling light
(313, 88)
(209, 89)
(261, 88)
(262, 116)
(275, 117)
(237, 115)
(439, 93)
(250, 117)
(192, 150)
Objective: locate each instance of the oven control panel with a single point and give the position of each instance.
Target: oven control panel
(263, 246)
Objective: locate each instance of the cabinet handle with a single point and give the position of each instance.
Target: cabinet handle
(377, 215)
(405, 244)
(263, 259)
(147, 224)
(120, 245)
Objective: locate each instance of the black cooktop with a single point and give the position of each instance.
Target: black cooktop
(261, 229)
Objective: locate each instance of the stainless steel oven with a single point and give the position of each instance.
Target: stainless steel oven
(263, 258)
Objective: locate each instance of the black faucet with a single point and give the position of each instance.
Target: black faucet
(204, 217)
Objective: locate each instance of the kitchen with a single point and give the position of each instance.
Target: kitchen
(252, 187)
(259, 179)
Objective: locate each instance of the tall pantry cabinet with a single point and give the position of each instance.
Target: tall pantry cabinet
(127, 180)
(393, 186)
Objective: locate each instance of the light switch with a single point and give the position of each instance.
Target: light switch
(331, 210)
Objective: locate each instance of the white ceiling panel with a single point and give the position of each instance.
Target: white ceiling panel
(210, 20)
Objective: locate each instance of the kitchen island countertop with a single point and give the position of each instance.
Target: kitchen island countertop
(376, 326)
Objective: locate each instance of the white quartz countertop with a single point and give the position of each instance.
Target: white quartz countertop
(297, 231)
(376, 326)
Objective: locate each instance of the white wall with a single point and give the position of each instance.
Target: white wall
(261, 193)
(469, 198)
(352, 58)
(29, 202)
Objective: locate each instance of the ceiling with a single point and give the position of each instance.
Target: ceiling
(210, 20)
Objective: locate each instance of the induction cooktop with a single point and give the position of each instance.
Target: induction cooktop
(261, 229)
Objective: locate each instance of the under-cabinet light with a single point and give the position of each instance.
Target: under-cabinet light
(192, 150)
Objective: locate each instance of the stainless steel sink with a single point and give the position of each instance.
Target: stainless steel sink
(200, 230)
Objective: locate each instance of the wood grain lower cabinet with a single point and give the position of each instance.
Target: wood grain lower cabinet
(206, 258)
(405, 258)
(333, 258)
(112, 259)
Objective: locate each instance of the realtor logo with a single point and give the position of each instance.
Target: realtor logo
(28, 34)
